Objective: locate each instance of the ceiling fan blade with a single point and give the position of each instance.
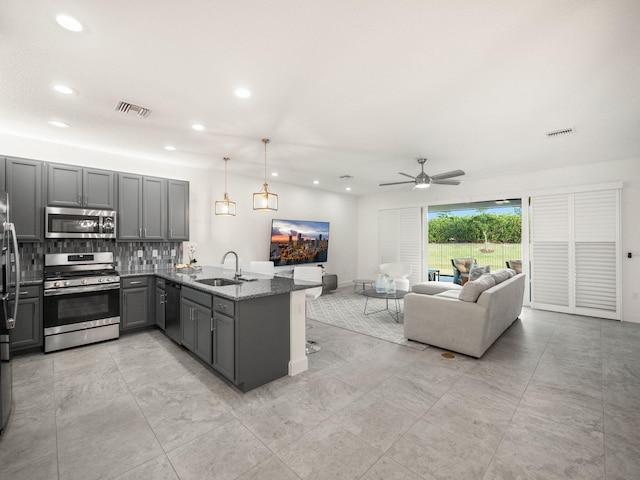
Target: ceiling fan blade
(395, 183)
(406, 175)
(446, 182)
(453, 173)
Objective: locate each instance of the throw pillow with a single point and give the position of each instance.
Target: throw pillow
(473, 289)
(476, 271)
(501, 275)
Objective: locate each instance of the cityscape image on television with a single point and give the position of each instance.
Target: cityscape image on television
(294, 242)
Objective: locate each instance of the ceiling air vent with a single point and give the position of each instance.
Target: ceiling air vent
(126, 107)
(557, 133)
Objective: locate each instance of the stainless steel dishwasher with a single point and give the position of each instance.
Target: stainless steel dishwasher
(172, 311)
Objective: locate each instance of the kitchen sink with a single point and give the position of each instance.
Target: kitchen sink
(218, 282)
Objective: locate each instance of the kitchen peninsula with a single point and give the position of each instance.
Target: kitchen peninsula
(250, 330)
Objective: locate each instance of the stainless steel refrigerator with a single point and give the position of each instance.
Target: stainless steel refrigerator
(10, 293)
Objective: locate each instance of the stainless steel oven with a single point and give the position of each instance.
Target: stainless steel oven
(79, 223)
(81, 300)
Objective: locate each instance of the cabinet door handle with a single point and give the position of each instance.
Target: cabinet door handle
(140, 234)
(86, 198)
(212, 323)
(171, 233)
(79, 199)
(138, 282)
(145, 232)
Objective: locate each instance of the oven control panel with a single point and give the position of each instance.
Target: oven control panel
(80, 282)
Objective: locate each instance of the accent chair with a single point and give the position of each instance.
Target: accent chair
(461, 269)
(399, 272)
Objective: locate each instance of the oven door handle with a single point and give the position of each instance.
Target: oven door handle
(82, 289)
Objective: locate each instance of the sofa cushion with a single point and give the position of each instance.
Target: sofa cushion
(472, 289)
(501, 275)
(432, 288)
(477, 270)
(453, 294)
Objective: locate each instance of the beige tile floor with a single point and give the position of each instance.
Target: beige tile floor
(557, 397)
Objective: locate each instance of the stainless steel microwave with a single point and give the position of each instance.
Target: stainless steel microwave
(79, 223)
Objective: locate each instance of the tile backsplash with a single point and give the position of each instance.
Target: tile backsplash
(127, 255)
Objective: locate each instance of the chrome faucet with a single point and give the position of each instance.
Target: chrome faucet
(224, 257)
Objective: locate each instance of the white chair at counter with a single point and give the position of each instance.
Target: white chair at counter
(264, 268)
(311, 274)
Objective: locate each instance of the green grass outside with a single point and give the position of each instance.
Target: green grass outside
(440, 254)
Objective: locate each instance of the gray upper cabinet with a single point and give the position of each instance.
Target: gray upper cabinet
(178, 207)
(73, 186)
(3, 181)
(154, 214)
(24, 185)
(129, 207)
(141, 207)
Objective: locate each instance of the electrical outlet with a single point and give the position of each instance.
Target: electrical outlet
(173, 252)
(139, 253)
(154, 253)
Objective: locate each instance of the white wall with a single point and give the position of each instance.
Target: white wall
(510, 186)
(249, 232)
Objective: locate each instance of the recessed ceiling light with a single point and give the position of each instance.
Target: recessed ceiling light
(64, 89)
(348, 189)
(57, 123)
(316, 182)
(242, 93)
(198, 127)
(70, 23)
(274, 174)
(171, 148)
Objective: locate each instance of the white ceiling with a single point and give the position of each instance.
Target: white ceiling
(341, 87)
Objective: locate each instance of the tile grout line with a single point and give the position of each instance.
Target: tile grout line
(145, 419)
(524, 391)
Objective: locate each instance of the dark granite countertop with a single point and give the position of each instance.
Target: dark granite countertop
(254, 286)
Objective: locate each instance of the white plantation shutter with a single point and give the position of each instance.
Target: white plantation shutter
(596, 252)
(575, 260)
(550, 267)
(400, 238)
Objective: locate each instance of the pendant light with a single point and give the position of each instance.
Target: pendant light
(265, 201)
(226, 207)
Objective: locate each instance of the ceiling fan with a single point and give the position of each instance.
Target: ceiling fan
(422, 180)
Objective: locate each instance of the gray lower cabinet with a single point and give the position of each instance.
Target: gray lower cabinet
(224, 334)
(178, 210)
(141, 207)
(160, 301)
(197, 323)
(28, 331)
(135, 303)
(24, 186)
(246, 341)
(73, 186)
(262, 340)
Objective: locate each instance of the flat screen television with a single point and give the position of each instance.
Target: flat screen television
(295, 242)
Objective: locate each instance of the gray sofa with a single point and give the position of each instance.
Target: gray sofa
(464, 319)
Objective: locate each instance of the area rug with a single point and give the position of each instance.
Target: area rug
(345, 309)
